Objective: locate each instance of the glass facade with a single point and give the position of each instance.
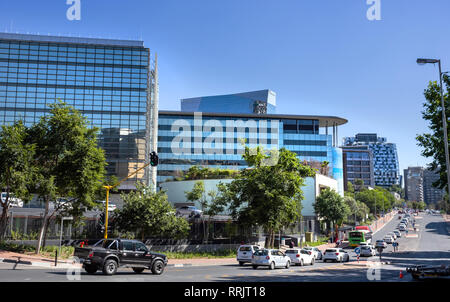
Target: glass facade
(385, 158)
(186, 139)
(106, 80)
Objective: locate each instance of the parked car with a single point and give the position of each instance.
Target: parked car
(402, 228)
(189, 211)
(397, 233)
(271, 259)
(367, 251)
(108, 255)
(301, 256)
(336, 254)
(388, 239)
(245, 253)
(315, 252)
(380, 243)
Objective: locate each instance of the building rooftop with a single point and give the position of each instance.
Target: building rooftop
(74, 40)
(322, 119)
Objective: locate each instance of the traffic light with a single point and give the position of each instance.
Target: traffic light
(153, 159)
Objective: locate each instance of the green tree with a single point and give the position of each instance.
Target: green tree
(268, 193)
(15, 168)
(68, 163)
(150, 214)
(433, 143)
(331, 207)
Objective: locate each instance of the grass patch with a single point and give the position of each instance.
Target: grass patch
(208, 255)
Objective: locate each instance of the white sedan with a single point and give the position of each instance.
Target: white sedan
(270, 258)
(336, 254)
(300, 256)
(315, 252)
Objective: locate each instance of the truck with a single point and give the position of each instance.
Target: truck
(110, 254)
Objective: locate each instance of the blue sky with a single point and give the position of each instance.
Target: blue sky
(320, 56)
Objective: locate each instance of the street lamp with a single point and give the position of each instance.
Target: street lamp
(422, 61)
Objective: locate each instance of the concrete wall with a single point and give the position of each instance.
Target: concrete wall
(175, 190)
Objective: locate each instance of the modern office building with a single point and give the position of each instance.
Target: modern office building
(385, 158)
(215, 140)
(106, 80)
(253, 102)
(414, 181)
(431, 194)
(358, 164)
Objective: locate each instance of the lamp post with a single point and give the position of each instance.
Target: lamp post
(422, 61)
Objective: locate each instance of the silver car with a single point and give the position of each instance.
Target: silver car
(270, 258)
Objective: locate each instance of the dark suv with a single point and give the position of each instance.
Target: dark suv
(110, 254)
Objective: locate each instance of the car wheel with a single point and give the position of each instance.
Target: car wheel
(241, 263)
(348, 258)
(254, 266)
(288, 264)
(158, 267)
(313, 260)
(138, 270)
(90, 269)
(110, 267)
(272, 266)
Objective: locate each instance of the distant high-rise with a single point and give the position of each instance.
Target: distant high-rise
(358, 164)
(414, 188)
(431, 194)
(385, 158)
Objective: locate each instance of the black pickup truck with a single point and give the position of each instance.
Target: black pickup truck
(110, 254)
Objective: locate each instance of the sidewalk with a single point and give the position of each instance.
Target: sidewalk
(34, 260)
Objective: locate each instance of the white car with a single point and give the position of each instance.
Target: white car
(402, 227)
(381, 243)
(361, 244)
(336, 254)
(245, 253)
(367, 251)
(300, 256)
(111, 206)
(397, 233)
(270, 258)
(315, 252)
(388, 239)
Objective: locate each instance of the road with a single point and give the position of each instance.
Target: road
(430, 245)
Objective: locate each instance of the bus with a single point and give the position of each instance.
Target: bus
(356, 237)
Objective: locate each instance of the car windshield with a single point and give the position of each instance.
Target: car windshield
(330, 251)
(244, 249)
(365, 247)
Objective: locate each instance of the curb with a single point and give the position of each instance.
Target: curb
(37, 263)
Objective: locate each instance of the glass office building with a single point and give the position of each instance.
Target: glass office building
(106, 80)
(385, 158)
(186, 139)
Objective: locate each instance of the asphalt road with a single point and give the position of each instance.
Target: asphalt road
(430, 245)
